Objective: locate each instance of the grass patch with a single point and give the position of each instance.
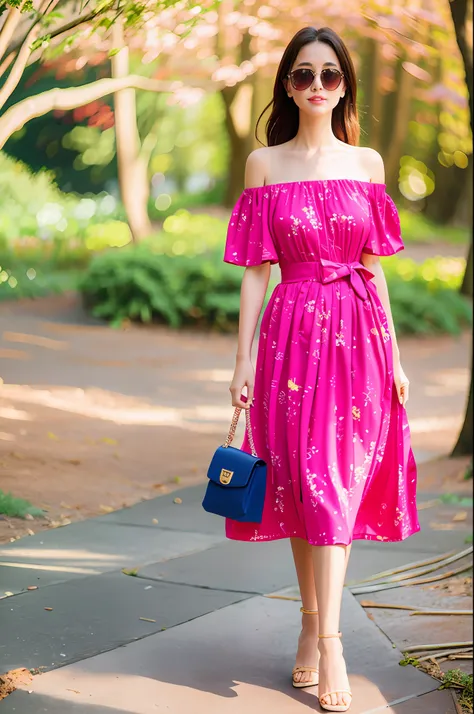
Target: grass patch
(462, 682)
(452, 499)
(18, 507)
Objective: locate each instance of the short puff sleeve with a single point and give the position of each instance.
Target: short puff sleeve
(249, 240)
(385, 234)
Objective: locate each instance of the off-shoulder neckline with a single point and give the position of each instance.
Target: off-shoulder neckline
(316, 181)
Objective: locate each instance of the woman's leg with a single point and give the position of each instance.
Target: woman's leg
(330, 563)
(307, 654)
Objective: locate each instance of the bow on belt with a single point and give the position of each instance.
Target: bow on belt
(327, 271)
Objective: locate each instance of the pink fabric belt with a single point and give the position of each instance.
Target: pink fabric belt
(327, 271)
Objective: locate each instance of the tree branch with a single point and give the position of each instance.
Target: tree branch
(9, 27)
(24, 54)
(6, 63)
(19, 65)
(19, 114)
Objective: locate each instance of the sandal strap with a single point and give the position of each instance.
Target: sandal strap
(302, 668)
(339, 634)
(336, 691)
(308, 612)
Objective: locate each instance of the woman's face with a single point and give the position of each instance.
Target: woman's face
(317, 100)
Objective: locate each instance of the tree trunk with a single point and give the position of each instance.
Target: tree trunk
(132, 172)
(460, 15)
(373, 98)
(464, 443)
(400, 129)
(443, 205)
(240, 148)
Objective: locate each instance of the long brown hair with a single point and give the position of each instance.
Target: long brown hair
(283, 122)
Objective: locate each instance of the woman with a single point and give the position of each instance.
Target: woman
(329, 394)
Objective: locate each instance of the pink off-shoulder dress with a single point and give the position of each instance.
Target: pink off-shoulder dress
(326, 417)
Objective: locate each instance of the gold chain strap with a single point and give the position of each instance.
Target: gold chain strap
(233, 427)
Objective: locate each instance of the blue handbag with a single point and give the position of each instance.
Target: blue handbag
(237, 480)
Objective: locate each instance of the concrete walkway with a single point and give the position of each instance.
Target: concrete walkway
(192, 626)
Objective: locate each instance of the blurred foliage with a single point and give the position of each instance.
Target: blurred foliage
(40, 225)
(78, 147)
(417, 228)
(424, 297)
(142, 283)
(18, 281)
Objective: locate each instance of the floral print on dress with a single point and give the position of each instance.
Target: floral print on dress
(326, 417)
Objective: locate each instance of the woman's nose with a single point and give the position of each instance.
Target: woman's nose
(317, 81)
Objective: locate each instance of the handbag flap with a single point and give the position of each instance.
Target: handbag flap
(232, 468)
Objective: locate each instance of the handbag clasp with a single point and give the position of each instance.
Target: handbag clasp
(225, 476)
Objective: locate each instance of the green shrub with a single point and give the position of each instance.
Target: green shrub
(141, 283)
(137, 283)
(18, 507)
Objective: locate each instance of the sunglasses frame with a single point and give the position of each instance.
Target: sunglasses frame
(308, 69)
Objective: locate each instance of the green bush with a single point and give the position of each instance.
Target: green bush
(138, 283)
(141, 283)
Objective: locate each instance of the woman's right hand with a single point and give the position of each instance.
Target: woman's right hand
(244, 376)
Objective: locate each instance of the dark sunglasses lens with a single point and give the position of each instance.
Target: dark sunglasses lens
(302, 79)
(330, 79)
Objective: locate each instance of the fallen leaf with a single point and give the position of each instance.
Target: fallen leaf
(65, 505)
(32, 587)
(73, 690)
(158, 485)
(106, 509)
(177, 479)
(8, 593)
(177, 500)
(155, 521)
(29, 517)
(49, 609)
(460, 516)
(53, 436)
(146, 619)
(74, 462)
(132, 572)
(111, 442)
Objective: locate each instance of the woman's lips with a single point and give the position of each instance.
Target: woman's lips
(316, 100)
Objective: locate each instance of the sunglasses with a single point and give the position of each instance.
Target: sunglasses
(303, 78)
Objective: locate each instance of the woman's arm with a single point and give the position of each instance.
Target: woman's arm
(372, 262)
(252, 294)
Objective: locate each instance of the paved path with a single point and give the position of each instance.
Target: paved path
(211, 638)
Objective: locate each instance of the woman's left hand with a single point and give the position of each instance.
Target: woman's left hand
(401, 382)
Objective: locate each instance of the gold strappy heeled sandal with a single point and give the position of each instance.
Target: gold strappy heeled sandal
(334, 707)
(302, 668)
